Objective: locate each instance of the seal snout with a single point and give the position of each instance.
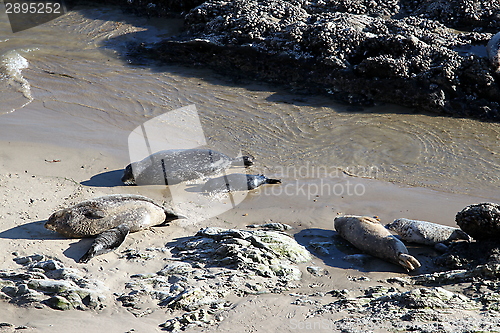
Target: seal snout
(49, 225)
(55, 219)
(128, 176)
(248, 160)
(170, 216)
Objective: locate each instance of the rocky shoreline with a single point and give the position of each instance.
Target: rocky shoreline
(205, 271)
(430, 56)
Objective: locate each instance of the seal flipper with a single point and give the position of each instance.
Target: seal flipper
(93, 213)
(106, 242)
(273, 181)
(246, 159)
(407, 261)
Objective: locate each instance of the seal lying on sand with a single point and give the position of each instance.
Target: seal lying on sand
(370, 236)
(237, 182)
(493, 50)
(110, 218)
(427, 233)
(169, 167)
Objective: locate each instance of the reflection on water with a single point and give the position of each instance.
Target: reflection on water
(84, 89)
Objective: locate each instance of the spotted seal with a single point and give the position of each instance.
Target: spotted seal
(426, 233)
(237, 182)
(493, 50)
(169, 167)
(370, 236)
(110, 218)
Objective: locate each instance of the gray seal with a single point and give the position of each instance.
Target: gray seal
(493, 50)
(237, 182)
(111, 218)
(427, 233)
(169, 167)
(370, 236)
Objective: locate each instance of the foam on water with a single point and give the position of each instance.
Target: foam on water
(15, 90)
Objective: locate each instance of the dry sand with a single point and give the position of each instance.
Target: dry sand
(37, 179)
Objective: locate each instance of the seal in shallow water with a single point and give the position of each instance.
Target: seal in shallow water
(237, 182)
(370, 236)
(169, 167)
(110, 218)
(493, 50)
(427, 233)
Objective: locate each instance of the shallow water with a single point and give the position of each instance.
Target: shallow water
(69, 82)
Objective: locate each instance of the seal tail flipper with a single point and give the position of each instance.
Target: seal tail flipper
(460, 234)
(171, 215)
(246, 159)
(273, 181)
(409, 262)
(106, 242)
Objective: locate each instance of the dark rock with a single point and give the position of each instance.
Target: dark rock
(463, 255)
(480, 221)
(351, 50)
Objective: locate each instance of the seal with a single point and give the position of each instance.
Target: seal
(237, 182)
(493, 51)
(111, 218)
(426, 233)
(370, 236)
(169, 167)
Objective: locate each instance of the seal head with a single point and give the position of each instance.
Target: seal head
(237, 182)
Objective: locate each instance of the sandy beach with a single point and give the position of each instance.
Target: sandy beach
(38, 179)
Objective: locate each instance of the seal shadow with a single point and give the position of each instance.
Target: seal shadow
(177, 241)
(36, 231)
(333, 250)
(78, 248)
(195, 188)
(32, 230)
(105, 179)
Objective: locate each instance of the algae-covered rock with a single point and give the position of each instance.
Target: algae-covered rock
(43, 280)
(49, 286)
(215, 263)
(267, 253)
(59, 303)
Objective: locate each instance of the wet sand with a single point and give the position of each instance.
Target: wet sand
(37, 179)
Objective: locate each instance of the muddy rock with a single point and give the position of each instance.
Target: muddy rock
(480, 221)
